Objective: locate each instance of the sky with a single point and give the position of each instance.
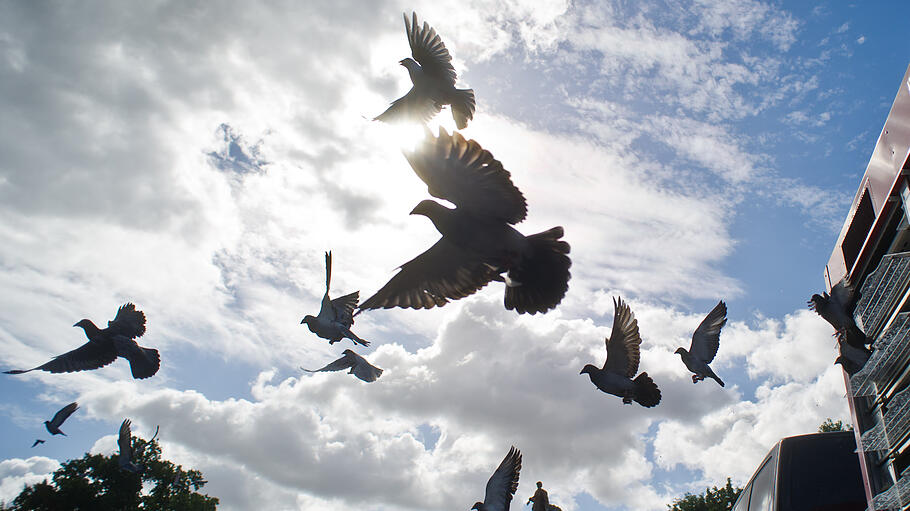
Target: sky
(198, 159)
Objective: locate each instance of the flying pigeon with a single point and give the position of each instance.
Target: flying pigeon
(105, 345)
(37, 441)
(335, 316)
(124, 441)
(705, 342)
(358, 365)
(478, 243)
(851, 358)
(53, 425)
(433, 79)
(835, 309)
(502, 484)
(622, 362)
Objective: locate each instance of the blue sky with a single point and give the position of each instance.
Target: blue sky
(199, 160)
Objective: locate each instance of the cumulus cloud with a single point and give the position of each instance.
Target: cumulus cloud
(15, 473)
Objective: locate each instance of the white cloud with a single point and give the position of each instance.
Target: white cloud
(15, 473)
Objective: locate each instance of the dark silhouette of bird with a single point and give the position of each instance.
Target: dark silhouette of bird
(705, 342)
(851, 358)
(38, 441)
(433, 79)
(105, 345)
(335, 316)
(623, 353)
(53, 425)
(358, 365)
(124, 441)
(478, 243)
(835, 309)
(502, 484)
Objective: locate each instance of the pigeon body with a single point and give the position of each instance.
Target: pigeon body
(335, 316)
(705, 342)
(105, 345)
(623, 354)
(478, 242)
(851, 358)
(53, 425)
(37, 441)
(358, 366)
(502, 484)
(835, 309)
(124, 441)
(433, 81)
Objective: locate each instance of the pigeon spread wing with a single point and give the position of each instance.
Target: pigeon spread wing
(345, 362)
(343, 308)
(841, 294)
(90, 355)
(503, 482)
(413, 106)
(467, 175)
(63, 414)
(444, 272)
(623, 344)
(428, 50)
(124, 442)
(128, 322)
(706, 338)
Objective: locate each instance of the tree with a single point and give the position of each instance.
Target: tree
(716, 499)
(830, 425)
(97, 482)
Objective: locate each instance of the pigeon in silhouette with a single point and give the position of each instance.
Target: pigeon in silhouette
(835, 309)
(105, 345)
(851, 358)
(38, 441)
(622, 362)
(478, 243)
(335, 316)
(433, 79)
(53, 425)
(124, 441)
(502, 484)
(358, 365)
(705, 342)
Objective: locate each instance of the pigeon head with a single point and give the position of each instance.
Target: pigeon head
(478, 505)
(589, 369)
(427, 208)
(306, 320)
(348, 352)
(409, 63)
(680, 351)
(85, 324)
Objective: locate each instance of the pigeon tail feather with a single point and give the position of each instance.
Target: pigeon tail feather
(543, 274)
(463, 106)
(646, 392)
(145, 366)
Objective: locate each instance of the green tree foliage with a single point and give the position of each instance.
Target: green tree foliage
(830, 425)
(96, 482)
(716, 499)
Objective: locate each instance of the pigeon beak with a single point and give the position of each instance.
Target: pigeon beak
(77, 324)
(402, 61)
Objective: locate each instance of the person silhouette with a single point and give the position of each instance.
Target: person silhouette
(540, 499)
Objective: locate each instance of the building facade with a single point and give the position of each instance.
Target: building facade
(872, 255)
